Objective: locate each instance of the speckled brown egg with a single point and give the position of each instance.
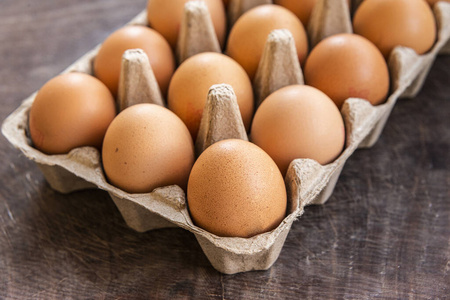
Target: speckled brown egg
(147, 146)
(236, 190)
(69, 111)
(299, 121)
(348, 65)
(165, 16)
(108, 61)
(391, 23)
(191, 82)
(249, 35)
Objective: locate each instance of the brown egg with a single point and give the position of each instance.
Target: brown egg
(69, 111)
(190, 84)
(236, 190)
(301, 8)
(147, 146)
(249, 34)
(348, 65)
(166, 16)
(108, 62)
(389, 23)
(298, 121)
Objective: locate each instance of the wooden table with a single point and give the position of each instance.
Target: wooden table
(385, 232)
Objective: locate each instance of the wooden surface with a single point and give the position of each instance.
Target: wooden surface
(385, 232)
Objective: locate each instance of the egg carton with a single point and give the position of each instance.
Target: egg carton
(307, 181)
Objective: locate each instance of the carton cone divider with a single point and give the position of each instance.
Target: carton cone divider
(197, 32)
(279, 65)
(237, 8)
(328, 17)
(137, 83)
(221, 118)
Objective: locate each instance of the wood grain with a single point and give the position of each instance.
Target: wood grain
(385, 232)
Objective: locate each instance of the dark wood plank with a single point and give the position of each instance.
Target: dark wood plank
(385, 233)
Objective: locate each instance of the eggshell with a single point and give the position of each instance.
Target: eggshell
(249, 34)
(190, 84)
(108, 61)
(235, 189)
(301, 8)
(165, 17)
(348, 65)
(147, 146)
(70, 110)
(389, 23)
(298, 121)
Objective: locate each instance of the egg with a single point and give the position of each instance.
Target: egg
(236, 190)
(301, 8)
(191, 82)
(348, 65)
(145, 147)
(298, 121)
(391, 23)
(249, 34)
(166, 16)
(71, 110)
(108, 62)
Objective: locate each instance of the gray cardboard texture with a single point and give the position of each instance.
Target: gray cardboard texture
(221, 118)
(238, 7)
(328, 18)
(197, 33)
(274, 73)
(137, 82)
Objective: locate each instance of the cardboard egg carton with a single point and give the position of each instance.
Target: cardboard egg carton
(307, 182)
